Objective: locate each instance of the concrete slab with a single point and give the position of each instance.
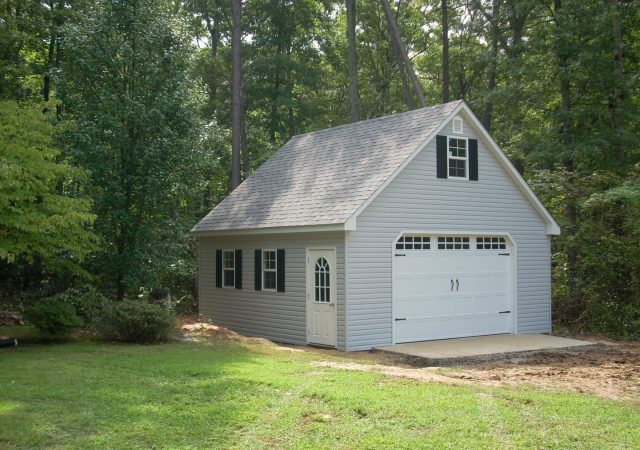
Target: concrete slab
(480, 346)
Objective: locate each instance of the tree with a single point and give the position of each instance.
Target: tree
(124, 80)
(236, 93)
(22, 48)
(445, 51)
(352, 61)
(402, 55)
(40, 218)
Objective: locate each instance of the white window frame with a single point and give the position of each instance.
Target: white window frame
(401, 241)
(469, 243)
(225, 269)
(465, 159)
(263, 270)
(326, 290)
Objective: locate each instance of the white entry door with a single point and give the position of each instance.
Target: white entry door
(321, 297)
(444, 290)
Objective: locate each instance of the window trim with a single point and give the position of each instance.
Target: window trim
(326, 287)
(263, 270)
(453, 242)
(486, 243)
(465, 159)
(225, 269)
(400, 244)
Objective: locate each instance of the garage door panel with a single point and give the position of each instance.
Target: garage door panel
(447, 294)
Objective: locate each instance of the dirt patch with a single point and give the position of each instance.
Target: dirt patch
(611, 370)
(11, 319)
(309, 418)
(190, 328)
(429, 374)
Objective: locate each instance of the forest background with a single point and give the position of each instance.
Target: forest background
(123, 122)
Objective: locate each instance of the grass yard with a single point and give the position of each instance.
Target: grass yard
(240, 395)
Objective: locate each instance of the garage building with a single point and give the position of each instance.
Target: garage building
(405, 228)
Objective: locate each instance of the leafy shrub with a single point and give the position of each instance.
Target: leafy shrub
(136, 321)
(86, 301)
(53, 318)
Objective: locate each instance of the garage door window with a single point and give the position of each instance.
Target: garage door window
(491, 243)
(414, 243)
(453, 243)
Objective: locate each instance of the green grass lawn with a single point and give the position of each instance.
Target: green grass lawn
(231, 395)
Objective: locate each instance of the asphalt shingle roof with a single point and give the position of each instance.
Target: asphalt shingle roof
(322, 177)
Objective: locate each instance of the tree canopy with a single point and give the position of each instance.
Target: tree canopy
(40, 218)
(143, 93)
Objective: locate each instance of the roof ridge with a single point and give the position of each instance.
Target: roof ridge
(368, 121)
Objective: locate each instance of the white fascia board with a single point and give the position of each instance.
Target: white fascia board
(552, 226)
(272, 230)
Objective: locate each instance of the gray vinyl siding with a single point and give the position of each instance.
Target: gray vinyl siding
(279, 316)
(417, 200)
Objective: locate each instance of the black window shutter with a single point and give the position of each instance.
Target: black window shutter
(238, 269)
(280, 268)
(258, 269)
(219, 268)
(473, 159)
(441, 156)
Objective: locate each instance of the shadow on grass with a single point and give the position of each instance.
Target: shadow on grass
(88, 395)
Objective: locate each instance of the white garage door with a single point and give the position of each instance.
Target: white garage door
(451, 286)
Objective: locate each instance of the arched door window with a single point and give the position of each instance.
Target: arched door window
(322, 284)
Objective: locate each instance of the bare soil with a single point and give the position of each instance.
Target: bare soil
(610, 370)
(191, 329)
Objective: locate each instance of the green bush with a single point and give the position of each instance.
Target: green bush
(53, 318)
(136, 321)
(87, 302)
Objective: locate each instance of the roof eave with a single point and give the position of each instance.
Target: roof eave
(274, 230)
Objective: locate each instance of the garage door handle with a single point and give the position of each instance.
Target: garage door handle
(404, 318)
(504, 312)
(452, 285)
(457, 285)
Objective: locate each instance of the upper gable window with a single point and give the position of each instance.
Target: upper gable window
(457, 157)
(457, 125)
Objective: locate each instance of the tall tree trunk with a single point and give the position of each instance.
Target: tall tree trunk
(213, 26)
(618, 65)
(445, 51)
(46, 88)
(571, 208)
(352, 60)
(408, 96)
(273, 119)
(246, 155)
(236, 94)
(487, 113)
(401, 52)
(59, 22)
